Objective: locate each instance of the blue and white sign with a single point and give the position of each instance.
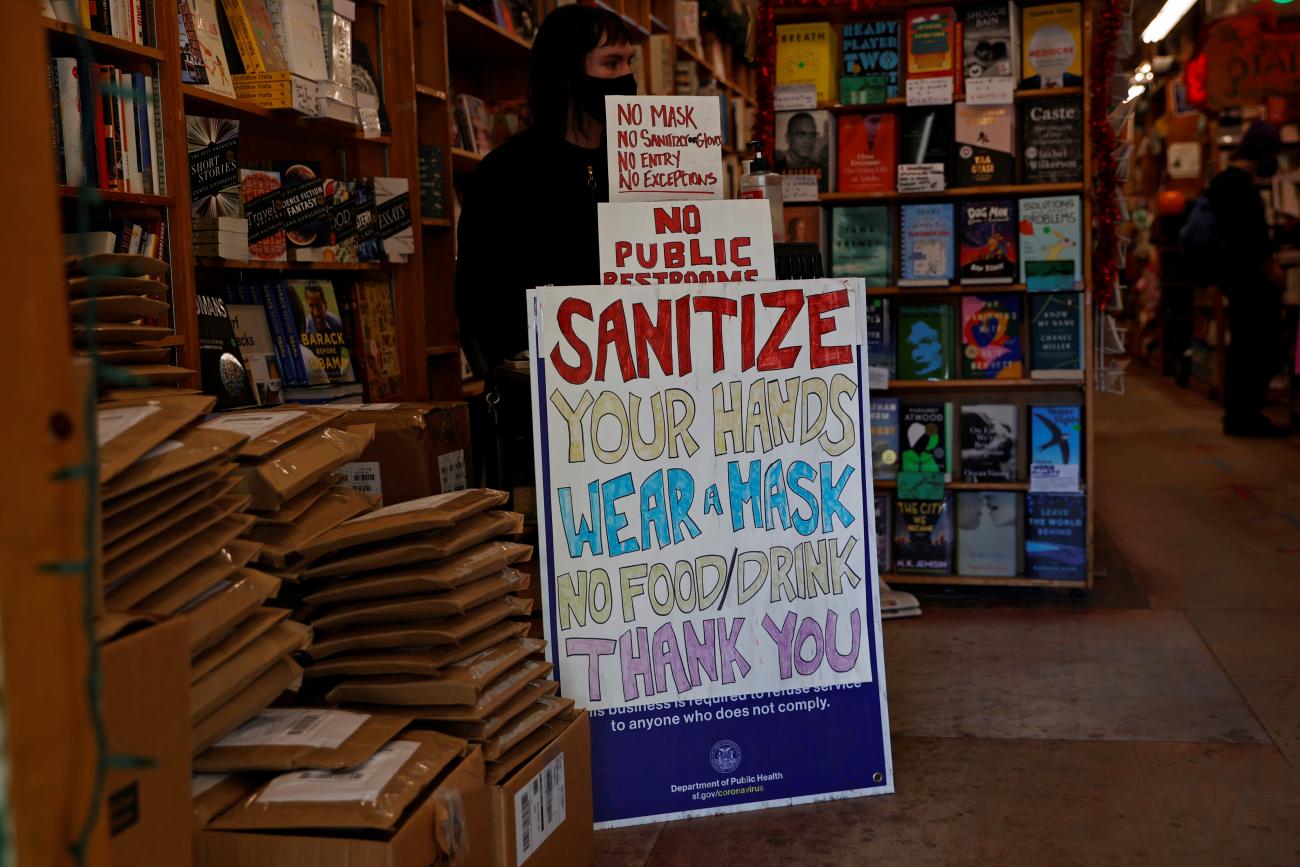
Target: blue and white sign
(708, 554)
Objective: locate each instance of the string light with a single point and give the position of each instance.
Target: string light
(1168, 16)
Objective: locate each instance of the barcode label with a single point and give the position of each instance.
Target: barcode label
(364, 476)
(539, 809)
(451, 471)
(304, 724)
(287, 727)
(362, 784)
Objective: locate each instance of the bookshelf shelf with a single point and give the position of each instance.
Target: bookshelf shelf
(972, 581)
(891, 485)
(898, 102)
(237, 265)
(628, 20)
(690, 52)
(115, 197)
(470, 35)
(464, 161)
(957, 289)
(953, 193)
(201, 101)
(442, 350)
(981, 384)
(66, 39)
(433, 93)
(436, 222)
(658, 25)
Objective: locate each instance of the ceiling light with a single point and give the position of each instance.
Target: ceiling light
(1168, 16)
(1135, 91)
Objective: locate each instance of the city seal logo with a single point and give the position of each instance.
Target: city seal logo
(725, 756)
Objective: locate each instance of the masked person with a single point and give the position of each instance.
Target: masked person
(529, 211)
(1250, 280)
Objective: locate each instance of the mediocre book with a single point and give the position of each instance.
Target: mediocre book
(212, 144)
(923, 538)
(925, 436)
(988, 242)
(1051, 47)
(925, 342)
(988, 435)
(321, 335)
(880, 335)
(868, 157)
(931, 42)
(1055, 336)
(988, 533)
(804, 146)
(861, 243)
(1051, 249)
(991, 327)
(1052, 140)
(990, 49)
(985, 144)
(928, 257)
(1056, 537)
(884, 437)
(805, 54)
(870, 52)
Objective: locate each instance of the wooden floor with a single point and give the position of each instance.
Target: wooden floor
(1154, 722)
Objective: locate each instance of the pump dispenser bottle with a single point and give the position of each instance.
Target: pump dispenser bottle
(760, 182)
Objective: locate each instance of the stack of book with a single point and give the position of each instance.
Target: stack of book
(128, 21)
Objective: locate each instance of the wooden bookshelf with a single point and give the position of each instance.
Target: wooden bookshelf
(428, 92)
(470, 35)
(238, 265)
(897, 102)
(116, 197)
(974, 581)
(435, 222)
(954, 289)
(1018, 487)
(998, 191)
(982, 384)
(66, 39)
(464, 161)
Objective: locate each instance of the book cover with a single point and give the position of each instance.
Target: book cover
(989, 433)
(985, 144)
(991, 327)
(293, 314)
(475, 122)
(393, 217)
(931, 47)
(1051, 252)
(927, 255)
(1055, 336)
(341, 195)
(925, 138)
(925, 342)
(221, 367)
(1056, 538)
(263, 208)
(253, 31)
(803, 224)
(1056, 435)
(320, 332)
(884, 437)
(861, 245)
(923, 538)
(925, 436)
(1052, 140)
(377, 339)
(989, 47)
(432, 181)
(369, 246)
(884, 508)
(880, 335)
(298, 31)
(1052, 46)
(868, 156)
(307, 220)
(207, 31)
(988, 242)
(278, 319)
(988, 534)
(870, 53)
(803, 147)
(192, 68)
(805, 54)
(72, 91)
(258, 348)
(213, 145)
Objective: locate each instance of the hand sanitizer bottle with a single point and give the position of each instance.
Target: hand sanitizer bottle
(760, 182)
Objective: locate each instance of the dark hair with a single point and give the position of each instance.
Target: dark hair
(567, 35)
(803, 115)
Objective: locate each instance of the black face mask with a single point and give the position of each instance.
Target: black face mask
(591, 93)
(1267, 167)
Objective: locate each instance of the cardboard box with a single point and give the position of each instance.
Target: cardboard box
(146, 713)
(450, 826)
(566, 843)
(419, 449)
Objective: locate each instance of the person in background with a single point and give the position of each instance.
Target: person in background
(1250, 280)
(529, 212)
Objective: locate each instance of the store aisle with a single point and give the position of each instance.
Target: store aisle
(1156, 721)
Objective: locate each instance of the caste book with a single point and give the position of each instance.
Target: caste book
(923, 538)
(988, 533)
(1052, 140)
(991, 327)
(988, 442)
(928, 257)
(861, 243)
(988, 242)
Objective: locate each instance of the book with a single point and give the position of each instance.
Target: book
(292, 372)
(985, 144)
(523, 18)
(927, 255)
(1052, 140)
(988, 533)
(931, 42)
(70, 75)
(253, 334)
(207, 32)
(253, 31)
(213, 145)
(1051, 46)
(192, 68)
(861, 245)
(298, 32)
(1055, 447)
(320, 332)
(803, 224)
(988, 242)
(1056, 537)
(1055, 336)
(884, 437)
(263, 208)
(432, 181)
(925, 342)
(307, 221)
(377, 339)
(475, 124)
(293, 314)
(221, 367)
(805, 54)
(369, 246)
(925, 140)
(883, 505)
(804, 145)
(923, 538)
(990, 50)
(1051, 250)
(880, 335)
(988, 434)
(925, 438)
(870, 55)
(393, 217)
(868, 156)
(991, 327)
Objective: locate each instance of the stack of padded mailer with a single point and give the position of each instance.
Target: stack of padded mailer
(415, 611)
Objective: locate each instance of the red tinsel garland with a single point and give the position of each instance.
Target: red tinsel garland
(1105, 32)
